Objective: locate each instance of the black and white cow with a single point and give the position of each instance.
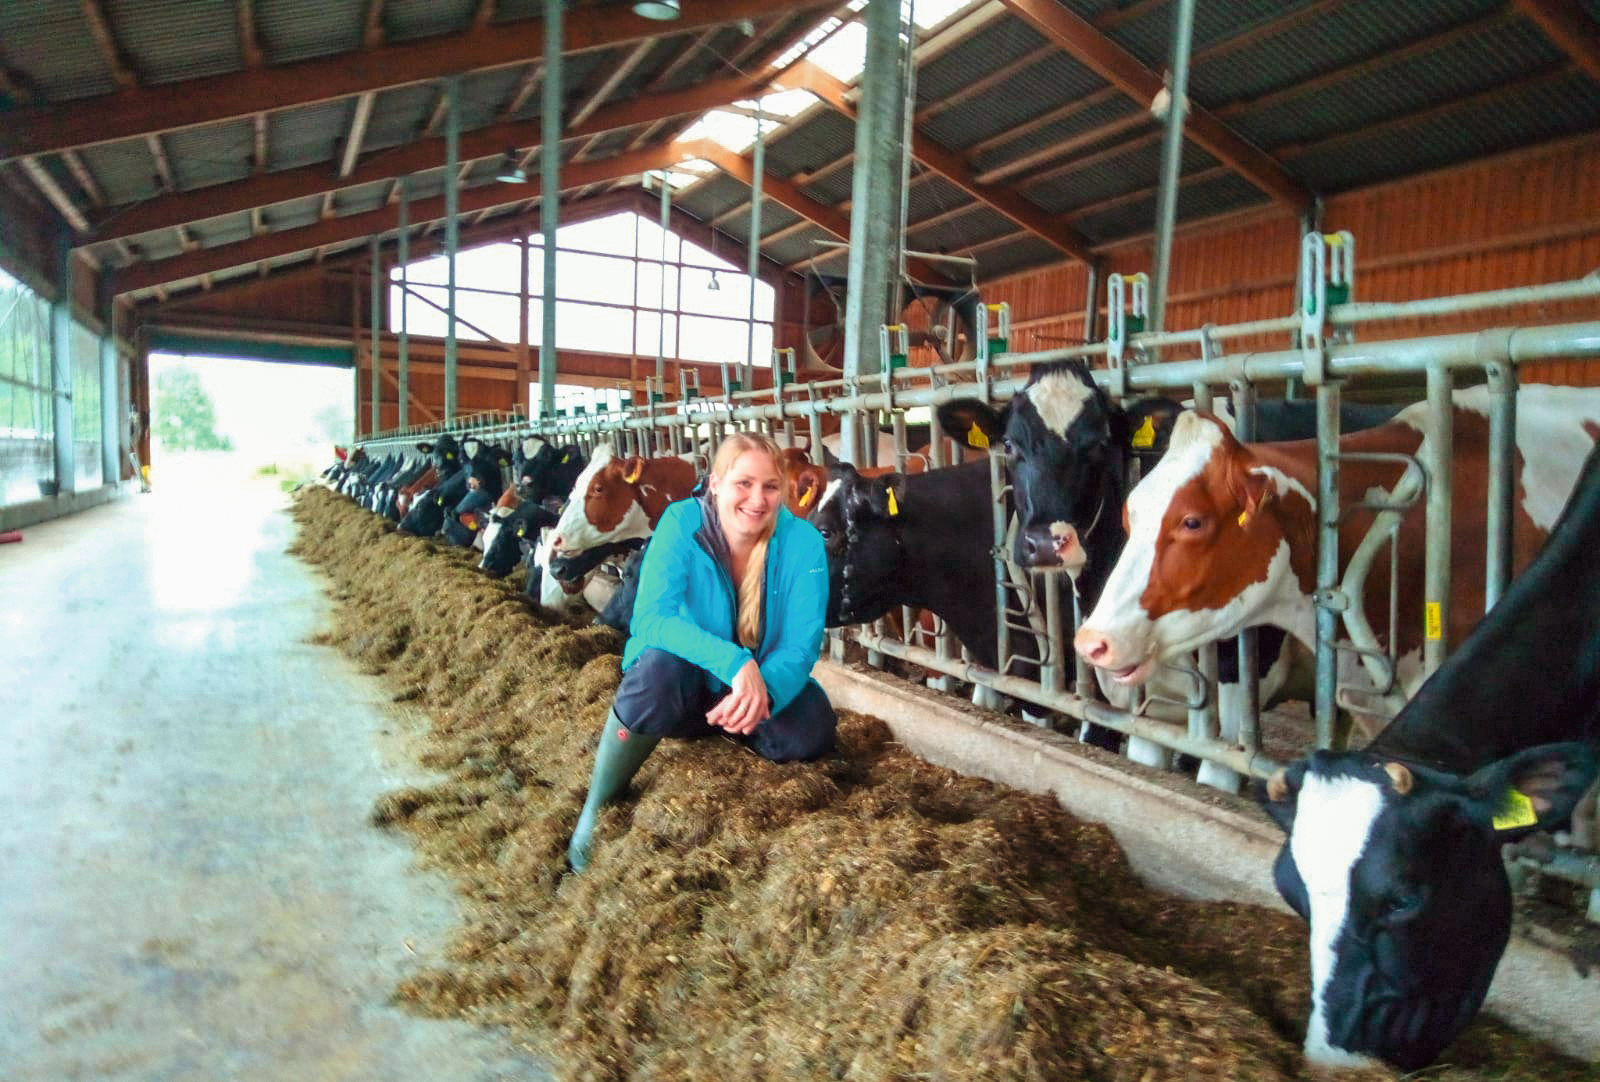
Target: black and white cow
(1392, 852)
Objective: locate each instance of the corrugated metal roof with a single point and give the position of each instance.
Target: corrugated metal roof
(1196, 199)
(796, 246)
(227, 230)
(814, 142)
(990, 49)
(1032, 92)
(1521, 116)
(291, 30)
(123, 170)
(1466, 67)
(143, 30)
(214, 154)
(408, 20)
(1082, 123)
(1026, 251)
(398, 115)
(312, 133)
(48, 42)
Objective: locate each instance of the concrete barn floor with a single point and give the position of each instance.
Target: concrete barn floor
(189, 888)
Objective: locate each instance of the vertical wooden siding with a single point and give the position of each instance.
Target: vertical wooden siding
(1523, 219)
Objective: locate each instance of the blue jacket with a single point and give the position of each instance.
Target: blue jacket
(688, 606)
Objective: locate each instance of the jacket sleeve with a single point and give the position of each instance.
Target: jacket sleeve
(659, 618)
(799, 605)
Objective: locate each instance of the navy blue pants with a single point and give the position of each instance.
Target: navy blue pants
(663, 695)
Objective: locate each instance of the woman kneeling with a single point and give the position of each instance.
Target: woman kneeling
(726, 627)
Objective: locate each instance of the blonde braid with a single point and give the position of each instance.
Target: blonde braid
(749, 628)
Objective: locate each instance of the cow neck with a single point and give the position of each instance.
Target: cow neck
(715, 543)
(1530, 672)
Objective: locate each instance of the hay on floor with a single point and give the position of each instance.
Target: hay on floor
(866, 917)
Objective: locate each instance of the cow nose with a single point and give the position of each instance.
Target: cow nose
(555, 543)
(1094, 648)
(1038, 547)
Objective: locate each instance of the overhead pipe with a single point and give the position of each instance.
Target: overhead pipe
(1171, 159)
(377, 385)
(452, 235)
(403, 348)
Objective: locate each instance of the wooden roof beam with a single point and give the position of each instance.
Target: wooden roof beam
(1122, 69)
(377, 222)
(357, 133)
(787, 195)
(85, 179)
(525, 87)
(985, 84)
(949, 165)
(158, 154)
(105, 41)
(372, 30)
(52, 191)
(1136, 121)
(139, 111)
(609, 85)
(1565, 24)
(249, 43)
(289, 184)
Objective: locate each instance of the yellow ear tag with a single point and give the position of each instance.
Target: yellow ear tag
(632, 476)
(1146, 434)
(976, 437)
(1244, 517)
(806, 499)
(565, 457)
(1516, 810)
(894, 508)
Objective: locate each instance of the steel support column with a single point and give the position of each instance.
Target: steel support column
(755, 252)
(403, 346)
(110, 406)
(61, 368)
(875, 236)
(452, 234)
(377, 383)
(1171, 160)
(550, 200)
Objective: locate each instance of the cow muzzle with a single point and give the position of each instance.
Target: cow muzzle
(1055, 546)
(1122, 662)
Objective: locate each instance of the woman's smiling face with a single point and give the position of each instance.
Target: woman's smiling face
(748, 496)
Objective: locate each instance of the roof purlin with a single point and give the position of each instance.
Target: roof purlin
(139, 111)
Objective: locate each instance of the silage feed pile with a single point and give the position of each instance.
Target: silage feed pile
(869, 917)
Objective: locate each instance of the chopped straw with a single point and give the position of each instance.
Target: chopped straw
(865, 917)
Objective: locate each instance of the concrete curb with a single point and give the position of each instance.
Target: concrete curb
(1178, 842)
(34, 512)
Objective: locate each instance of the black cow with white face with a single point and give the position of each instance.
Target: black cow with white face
(1392, 853)
(919, 539)
(509, 538)
(545, 472)
(1071, 450)
(429, 508)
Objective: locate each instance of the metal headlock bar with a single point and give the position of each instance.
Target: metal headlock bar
(1321, 361)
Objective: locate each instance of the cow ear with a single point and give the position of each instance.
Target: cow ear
(1279, 795)
(887, 495)
(632, 469)
(1150, 422)
(425, 448)
(1251, 491)
(972, 423)
(807, 487)
(1535, 789)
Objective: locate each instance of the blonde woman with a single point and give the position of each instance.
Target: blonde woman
(726, 628)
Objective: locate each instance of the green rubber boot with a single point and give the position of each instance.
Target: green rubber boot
(616, 760)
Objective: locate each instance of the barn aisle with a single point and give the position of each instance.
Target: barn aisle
(188, 885)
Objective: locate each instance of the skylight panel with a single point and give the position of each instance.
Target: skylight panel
(844, 55)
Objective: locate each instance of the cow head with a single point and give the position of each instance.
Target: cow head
(549, 472)
(859, 520)
(1070, 449)
(604, 505)
(445, 452)
(510, 537)
(1208, 554)
(1397, 869)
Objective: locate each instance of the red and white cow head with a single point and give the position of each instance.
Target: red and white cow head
(1209, 553)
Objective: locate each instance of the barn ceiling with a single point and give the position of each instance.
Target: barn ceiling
(189, 142)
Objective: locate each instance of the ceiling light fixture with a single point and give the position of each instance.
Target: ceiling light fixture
(660, 10)
(714, 286)
(510, 171)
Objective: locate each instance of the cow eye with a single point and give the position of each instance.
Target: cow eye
(1402, 903)
(1192, 522)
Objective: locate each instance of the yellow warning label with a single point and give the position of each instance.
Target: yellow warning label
(1433, 621)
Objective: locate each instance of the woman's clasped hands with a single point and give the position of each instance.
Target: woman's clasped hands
(745, 705)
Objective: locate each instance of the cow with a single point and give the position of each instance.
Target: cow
(506, 539)
(1072, 453)
(1392, 853)
(428, 509)
(615, 499)
(1222, 536)
(543, 471)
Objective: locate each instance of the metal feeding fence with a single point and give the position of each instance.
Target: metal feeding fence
(1326, 359)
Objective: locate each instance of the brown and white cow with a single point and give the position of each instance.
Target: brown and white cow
(1222, 535)
(616, 499)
